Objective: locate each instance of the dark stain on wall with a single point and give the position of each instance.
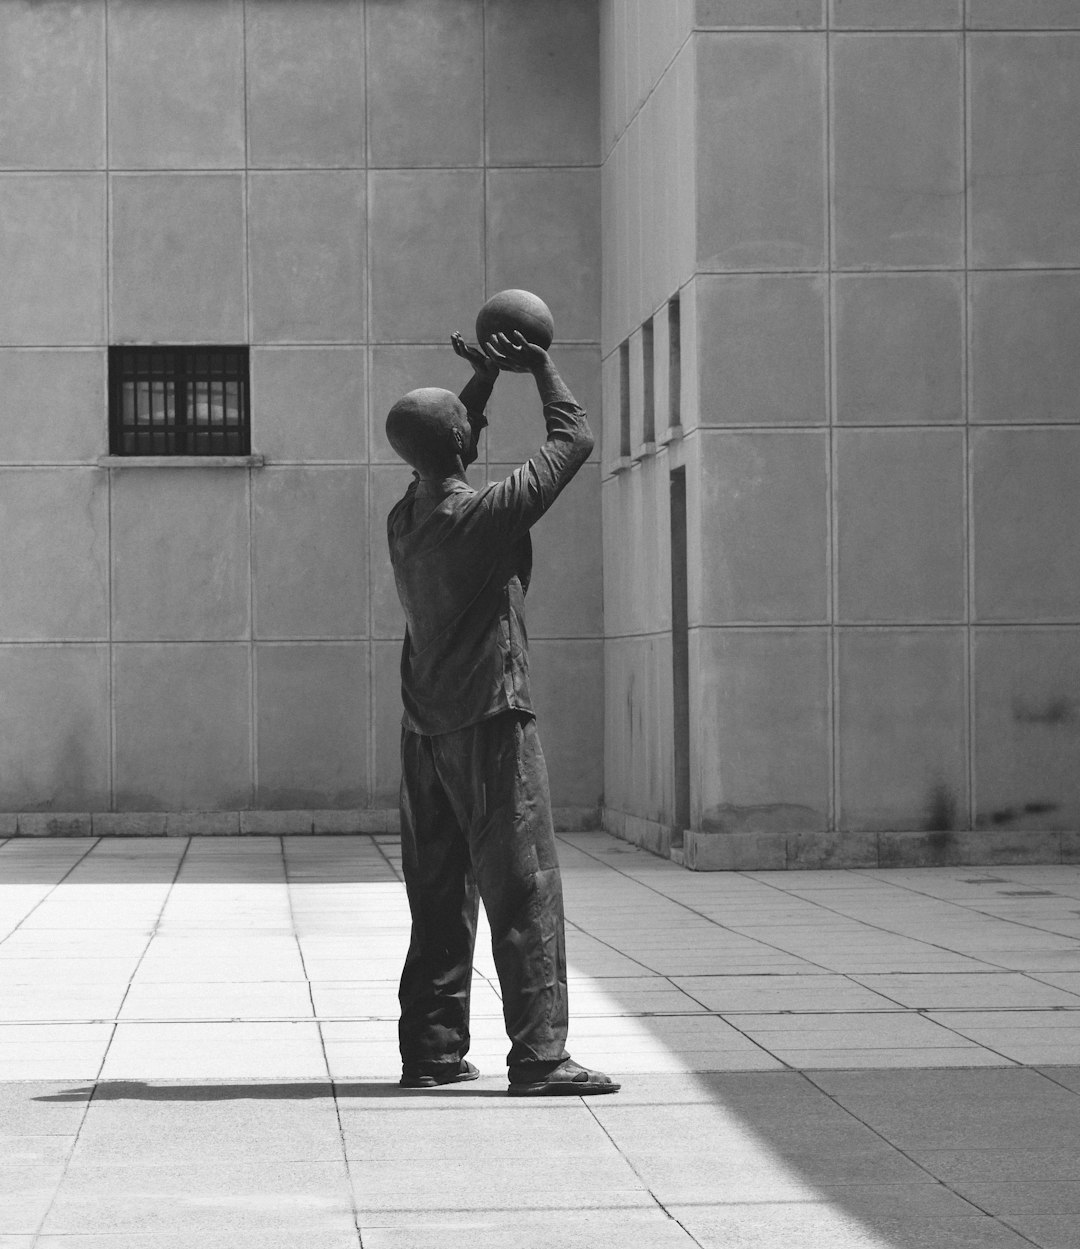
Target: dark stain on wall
(1006, 815)
(1040, 808)
(941, 810)
(1051, 711)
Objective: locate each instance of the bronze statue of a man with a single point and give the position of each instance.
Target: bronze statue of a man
(475, 810)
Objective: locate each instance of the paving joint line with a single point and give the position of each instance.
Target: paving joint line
(139, 962)
(644, 1183)
(295, 935)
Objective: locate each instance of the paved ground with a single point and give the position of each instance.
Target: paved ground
(197, 1052)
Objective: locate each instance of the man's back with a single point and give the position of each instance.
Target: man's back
(462, 560)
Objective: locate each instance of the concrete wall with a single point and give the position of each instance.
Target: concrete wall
(340, 184)
(869, 214)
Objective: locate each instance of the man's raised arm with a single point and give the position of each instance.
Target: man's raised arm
(477, 390)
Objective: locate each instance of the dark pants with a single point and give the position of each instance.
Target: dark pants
(476, 824)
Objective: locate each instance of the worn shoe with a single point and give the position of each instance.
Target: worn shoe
(432, 1075)
(568, 1079)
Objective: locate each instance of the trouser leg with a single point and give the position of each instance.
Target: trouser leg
(512, 846)
(437, 977)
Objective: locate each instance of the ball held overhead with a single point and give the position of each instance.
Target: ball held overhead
(512, 310)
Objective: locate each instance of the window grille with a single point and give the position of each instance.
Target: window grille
(179, 401)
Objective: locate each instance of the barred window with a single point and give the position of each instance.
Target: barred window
(179, 401)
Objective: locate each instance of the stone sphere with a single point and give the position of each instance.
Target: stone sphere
(516, 310)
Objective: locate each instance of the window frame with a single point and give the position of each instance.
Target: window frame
(189, 365)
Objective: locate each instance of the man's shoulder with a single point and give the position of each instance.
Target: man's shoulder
(430, 512)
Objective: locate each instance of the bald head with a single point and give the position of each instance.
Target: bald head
(429, 429)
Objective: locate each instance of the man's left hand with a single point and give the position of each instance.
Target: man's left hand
(483, 365)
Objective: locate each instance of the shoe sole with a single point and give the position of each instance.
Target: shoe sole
(433, 1082)
(561, 1088)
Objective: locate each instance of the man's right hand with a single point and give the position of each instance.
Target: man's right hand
(516, 354)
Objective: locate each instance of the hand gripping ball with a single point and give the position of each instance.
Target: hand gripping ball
(516, 310)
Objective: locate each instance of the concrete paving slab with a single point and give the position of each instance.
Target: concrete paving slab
(97, 906)
(1067, 980)
(132, 1124)
(470, 1132)
(813, 1060)
(1063, 958)
(88, 943)
(811, 1226)
(378, 1061)
(1022, 1019)
(715, 1128)
(357, 966)
(311, 1196)
(930, 991)
(761, 1175)
(605, 1229)
(778, 1094)
(759, 993)
(992, 1165)
(208, 1238)
(888, 1030)
(546, 1184)
(66, 971)
(766, 964)
(47, 1051)
(179, 1000)
(28, 1003)
(1029, 1046)
(1049, 1231)
(1023, 1197)
(35, 1151)
(1067, 1077)
(205, 969)
(926, 1200)
(25, 1195)
(1014, 1108)
(859, 964)
(699, 1030)
(73, 1062)
(26, 1109)
(251, 1050)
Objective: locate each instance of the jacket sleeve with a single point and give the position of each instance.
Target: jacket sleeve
(516, 503)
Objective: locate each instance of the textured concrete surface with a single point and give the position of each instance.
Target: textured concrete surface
(197, 1046)
(863, 228)
(296, 178)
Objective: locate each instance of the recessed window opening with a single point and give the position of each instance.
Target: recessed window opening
(179, 401)
(648, 368)
(624, 399)
(680, 651)
(674, 363)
